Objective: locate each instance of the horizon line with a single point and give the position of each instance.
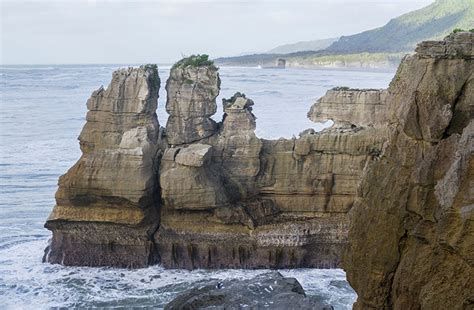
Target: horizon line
(85, 64)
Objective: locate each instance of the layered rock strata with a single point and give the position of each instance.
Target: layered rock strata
(107, 204)
(234, 200)
(351, 107)
(412, 226)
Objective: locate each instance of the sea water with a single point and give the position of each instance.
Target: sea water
(42, 111)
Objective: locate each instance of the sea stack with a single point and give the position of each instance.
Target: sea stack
(107, 204)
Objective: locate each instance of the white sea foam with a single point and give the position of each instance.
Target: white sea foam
(25, 279)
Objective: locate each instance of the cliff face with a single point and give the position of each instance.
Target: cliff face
(412, 225)
(285, 208)
(107, 203)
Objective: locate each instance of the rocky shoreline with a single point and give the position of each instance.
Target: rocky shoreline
(393, 175)
(419, 195)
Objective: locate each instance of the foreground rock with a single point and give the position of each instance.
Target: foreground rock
(107, 204)
(270, 290)
(412, 226)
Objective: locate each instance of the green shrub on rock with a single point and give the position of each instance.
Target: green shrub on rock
(195, 61)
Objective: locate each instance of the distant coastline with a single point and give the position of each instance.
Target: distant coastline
(371, 67)
(360, 61)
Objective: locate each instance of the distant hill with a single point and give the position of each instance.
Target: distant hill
(398, 36)
(403, 33)
(315, 45)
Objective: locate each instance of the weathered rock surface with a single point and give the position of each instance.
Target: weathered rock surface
(458, 45)
(270, 290)
(107, 204)
(412, 226)
(192, 93)
(357, 107)
(188, 181)
(238, 146)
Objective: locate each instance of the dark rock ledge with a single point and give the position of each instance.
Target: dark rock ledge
(266, 291)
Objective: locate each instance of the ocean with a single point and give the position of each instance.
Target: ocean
(42, 111)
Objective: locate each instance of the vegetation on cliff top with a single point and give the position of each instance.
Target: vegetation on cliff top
(195, 61)
(462, 30)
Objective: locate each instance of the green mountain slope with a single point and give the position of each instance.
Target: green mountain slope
(379, 47)
(315, 45)
(403, 33)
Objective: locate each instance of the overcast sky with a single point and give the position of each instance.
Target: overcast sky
(75, 31)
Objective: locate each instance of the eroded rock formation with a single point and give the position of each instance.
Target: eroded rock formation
(348, 107)
(234, 200)
(412, 226)
(205, 194)
(107, 204)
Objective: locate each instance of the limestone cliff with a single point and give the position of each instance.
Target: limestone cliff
(107, 204)
(412, 226)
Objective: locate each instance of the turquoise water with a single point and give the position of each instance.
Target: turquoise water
(42, 111)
